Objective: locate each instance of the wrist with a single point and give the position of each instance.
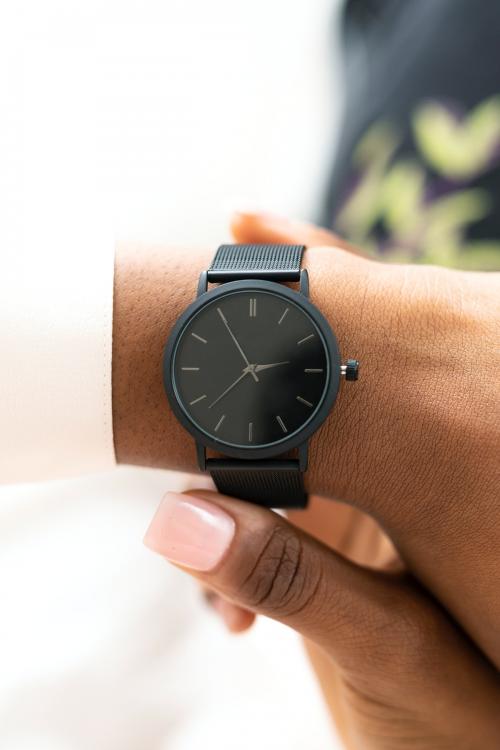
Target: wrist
(153, 284)
(414, 407)
(419, 434)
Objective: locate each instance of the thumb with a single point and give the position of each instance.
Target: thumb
(257, 560)
(266, 227)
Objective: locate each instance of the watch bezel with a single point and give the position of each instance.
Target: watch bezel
(331, 389)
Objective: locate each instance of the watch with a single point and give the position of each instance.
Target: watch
(251, 369)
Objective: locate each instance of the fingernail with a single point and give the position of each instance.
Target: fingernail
(244, 207)
(265, 216)
(241, 205)
(190, 531)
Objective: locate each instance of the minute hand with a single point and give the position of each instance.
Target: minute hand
(258, 368)
(223, 318)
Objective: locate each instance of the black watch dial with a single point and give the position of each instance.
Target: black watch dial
(250, 368)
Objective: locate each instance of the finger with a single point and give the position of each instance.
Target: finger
(235, 618)
(266, 227)
(257, 560)
(398, 653)
(348, 530)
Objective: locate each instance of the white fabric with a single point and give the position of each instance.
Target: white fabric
(56, 266)
(55, 349)
(103, 646)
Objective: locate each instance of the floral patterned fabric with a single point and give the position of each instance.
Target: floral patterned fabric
(417, 175)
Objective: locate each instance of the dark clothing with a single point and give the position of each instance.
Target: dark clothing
(417, 172)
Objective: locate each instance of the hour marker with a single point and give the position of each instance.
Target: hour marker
(222, 314)
(250, 432)
(281, 423)
(190, 369)
(283, 316)
(203, 341)
(219, 422)
(312, 369)
(200, 398)
(253, 307)
(306, 338)
(303, 401)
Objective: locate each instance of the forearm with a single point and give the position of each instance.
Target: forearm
(152, 287)
(420, 392)
(413, 444)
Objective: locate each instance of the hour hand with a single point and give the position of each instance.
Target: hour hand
(258, 368)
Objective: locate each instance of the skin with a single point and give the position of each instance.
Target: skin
(397, 672)
(412, 448)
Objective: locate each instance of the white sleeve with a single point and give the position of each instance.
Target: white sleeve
(55, 354)
(56, 269)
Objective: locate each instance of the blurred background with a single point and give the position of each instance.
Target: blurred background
(191, 108)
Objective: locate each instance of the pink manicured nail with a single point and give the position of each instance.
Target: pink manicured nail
(264, 215)
(190, 531)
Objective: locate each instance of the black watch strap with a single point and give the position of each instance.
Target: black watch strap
(273, 483)
(275, 262)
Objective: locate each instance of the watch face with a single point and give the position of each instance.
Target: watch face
(250, 368)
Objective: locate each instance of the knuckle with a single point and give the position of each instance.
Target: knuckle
(277, 582)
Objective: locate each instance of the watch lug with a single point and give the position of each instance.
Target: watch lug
(304, 283)
(201, 456)
(303, 456)
(202, 284)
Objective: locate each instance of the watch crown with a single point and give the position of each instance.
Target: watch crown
(350, 370)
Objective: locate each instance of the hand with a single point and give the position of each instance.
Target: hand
(249, 366)
(403, 672)
(343, 528)
(414, 445)
(258, 368)
(438, 320)
(246, 371)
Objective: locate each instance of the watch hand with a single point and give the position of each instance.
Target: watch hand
(258, 368)
(223, 317)
(229, 388)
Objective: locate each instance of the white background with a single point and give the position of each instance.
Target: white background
(160, 116)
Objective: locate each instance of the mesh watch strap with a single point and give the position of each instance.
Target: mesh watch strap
(271, 483)
(277, 262)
